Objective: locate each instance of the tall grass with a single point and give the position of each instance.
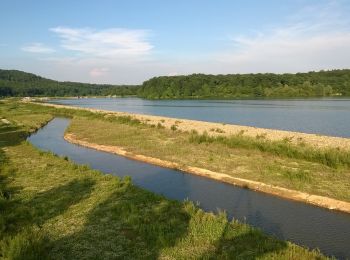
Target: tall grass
(29, 244)
(331, 157)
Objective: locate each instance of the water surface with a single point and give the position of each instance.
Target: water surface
(321, 116)
(288, 220)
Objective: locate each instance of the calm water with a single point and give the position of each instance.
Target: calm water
(322, 116)
(303, 224)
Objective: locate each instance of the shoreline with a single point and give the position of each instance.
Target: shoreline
(69, 200)
(320, 201)
(221, 129)
(185, 124)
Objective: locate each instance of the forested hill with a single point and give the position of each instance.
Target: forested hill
(19, 83)
(311, 84)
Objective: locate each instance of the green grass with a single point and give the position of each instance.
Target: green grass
(52, 208)
(239, 158)
(297, 167)
(334, 158)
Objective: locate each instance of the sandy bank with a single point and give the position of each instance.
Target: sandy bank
(320, 201)
(314, 140)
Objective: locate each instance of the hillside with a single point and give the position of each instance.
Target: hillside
(269, 85)
(311, 84)
(19, 83)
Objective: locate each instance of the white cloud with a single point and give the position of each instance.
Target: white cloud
(98, 72)
(318, 37)
(37, 47)
(104, 43)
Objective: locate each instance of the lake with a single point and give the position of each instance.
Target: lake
(320, 116)
(301, 223)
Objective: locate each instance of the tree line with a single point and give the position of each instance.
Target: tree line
(311, 84)
(19, 83)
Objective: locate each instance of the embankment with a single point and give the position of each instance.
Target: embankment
(320, 201)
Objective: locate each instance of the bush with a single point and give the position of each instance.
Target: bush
(173, 127)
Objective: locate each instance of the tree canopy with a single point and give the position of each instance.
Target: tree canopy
(19, 83)
(311, 84)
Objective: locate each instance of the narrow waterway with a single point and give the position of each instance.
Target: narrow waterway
(288, 220)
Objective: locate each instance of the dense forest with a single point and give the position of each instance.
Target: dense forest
(311, 84)
(19, 83)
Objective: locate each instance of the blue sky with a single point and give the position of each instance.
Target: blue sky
(130, 41)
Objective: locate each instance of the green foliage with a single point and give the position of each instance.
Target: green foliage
(173, 127)
(311, 84)
(18, 83)
(330, 157)
(160, 126)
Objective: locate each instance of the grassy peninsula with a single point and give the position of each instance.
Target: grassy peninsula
(52, 208)
(322, 172)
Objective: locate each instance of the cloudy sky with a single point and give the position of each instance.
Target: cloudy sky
(126, 42)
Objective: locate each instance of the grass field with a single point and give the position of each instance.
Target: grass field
(52, 208)
(238, 157)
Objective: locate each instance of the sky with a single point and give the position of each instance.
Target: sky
(127, 42)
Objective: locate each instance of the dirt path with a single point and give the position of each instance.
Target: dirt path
(320, 201)
(314, 140)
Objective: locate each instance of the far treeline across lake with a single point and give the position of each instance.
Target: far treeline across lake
(195, 86)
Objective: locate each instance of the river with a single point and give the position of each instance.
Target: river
(300, 223)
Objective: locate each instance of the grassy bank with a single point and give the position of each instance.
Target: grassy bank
(331, 157)
(301, 167)
(242, 157)
(52, 208)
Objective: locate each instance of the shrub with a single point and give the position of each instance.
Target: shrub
(173, 127)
